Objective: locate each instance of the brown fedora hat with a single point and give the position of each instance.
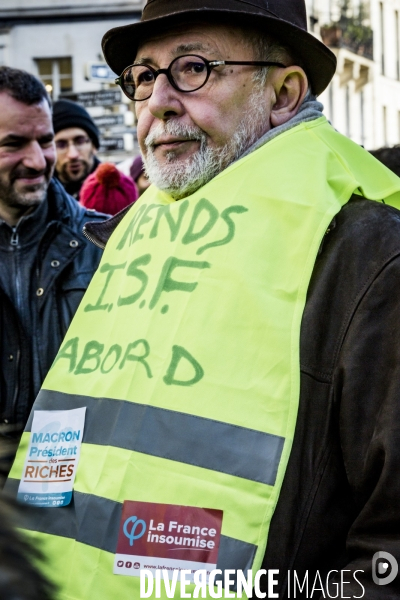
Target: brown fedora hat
(285, 20)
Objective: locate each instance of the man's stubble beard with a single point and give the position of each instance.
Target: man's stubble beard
(12, 198)
(180, 178)
(23, 200)
(66, 177)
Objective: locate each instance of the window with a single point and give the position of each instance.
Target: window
(398, 127)
(331, 103)
(384, 116)
(348, 122)
(4, 46)
(382, 38)
(397, 42)
(56, 74)
(362, 125)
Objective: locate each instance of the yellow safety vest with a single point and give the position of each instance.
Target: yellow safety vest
(185, 351)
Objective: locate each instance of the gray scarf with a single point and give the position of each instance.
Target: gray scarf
(310, 109)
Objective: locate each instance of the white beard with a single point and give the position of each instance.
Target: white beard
(180, 178)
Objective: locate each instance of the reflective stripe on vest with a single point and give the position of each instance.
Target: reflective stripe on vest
(185, 350)
(222, 447)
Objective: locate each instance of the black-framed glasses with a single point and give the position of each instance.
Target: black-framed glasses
(186, 73)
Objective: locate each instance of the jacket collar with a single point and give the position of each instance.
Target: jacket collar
(100, 233)
(28, 230)
(61, 206)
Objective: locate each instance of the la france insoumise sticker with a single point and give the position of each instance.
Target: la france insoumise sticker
(167, 536)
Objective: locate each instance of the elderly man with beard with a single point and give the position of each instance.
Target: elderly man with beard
(238, 351)
(46, 263)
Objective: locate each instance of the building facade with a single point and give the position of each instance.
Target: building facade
(363, 100)
(61, 43)
(58, 40)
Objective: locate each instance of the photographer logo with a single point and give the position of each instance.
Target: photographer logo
(384, 568)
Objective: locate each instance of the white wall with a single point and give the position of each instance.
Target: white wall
(40, 6)
(81, 41)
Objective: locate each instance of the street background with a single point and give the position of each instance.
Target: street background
(60, 42)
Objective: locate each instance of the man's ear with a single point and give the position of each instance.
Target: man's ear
(290, 86)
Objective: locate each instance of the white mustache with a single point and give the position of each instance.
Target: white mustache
(175, 128)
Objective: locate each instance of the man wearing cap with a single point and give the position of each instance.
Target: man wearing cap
(238, 351)
(77, 141)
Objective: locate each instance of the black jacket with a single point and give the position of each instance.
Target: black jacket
(340, 500)
(55, 277)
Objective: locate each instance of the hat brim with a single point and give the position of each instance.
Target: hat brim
(120, 44)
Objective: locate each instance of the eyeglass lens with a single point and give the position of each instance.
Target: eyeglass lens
(188, 73)
(78, 142)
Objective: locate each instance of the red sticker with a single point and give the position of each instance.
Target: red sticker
(167, 536)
